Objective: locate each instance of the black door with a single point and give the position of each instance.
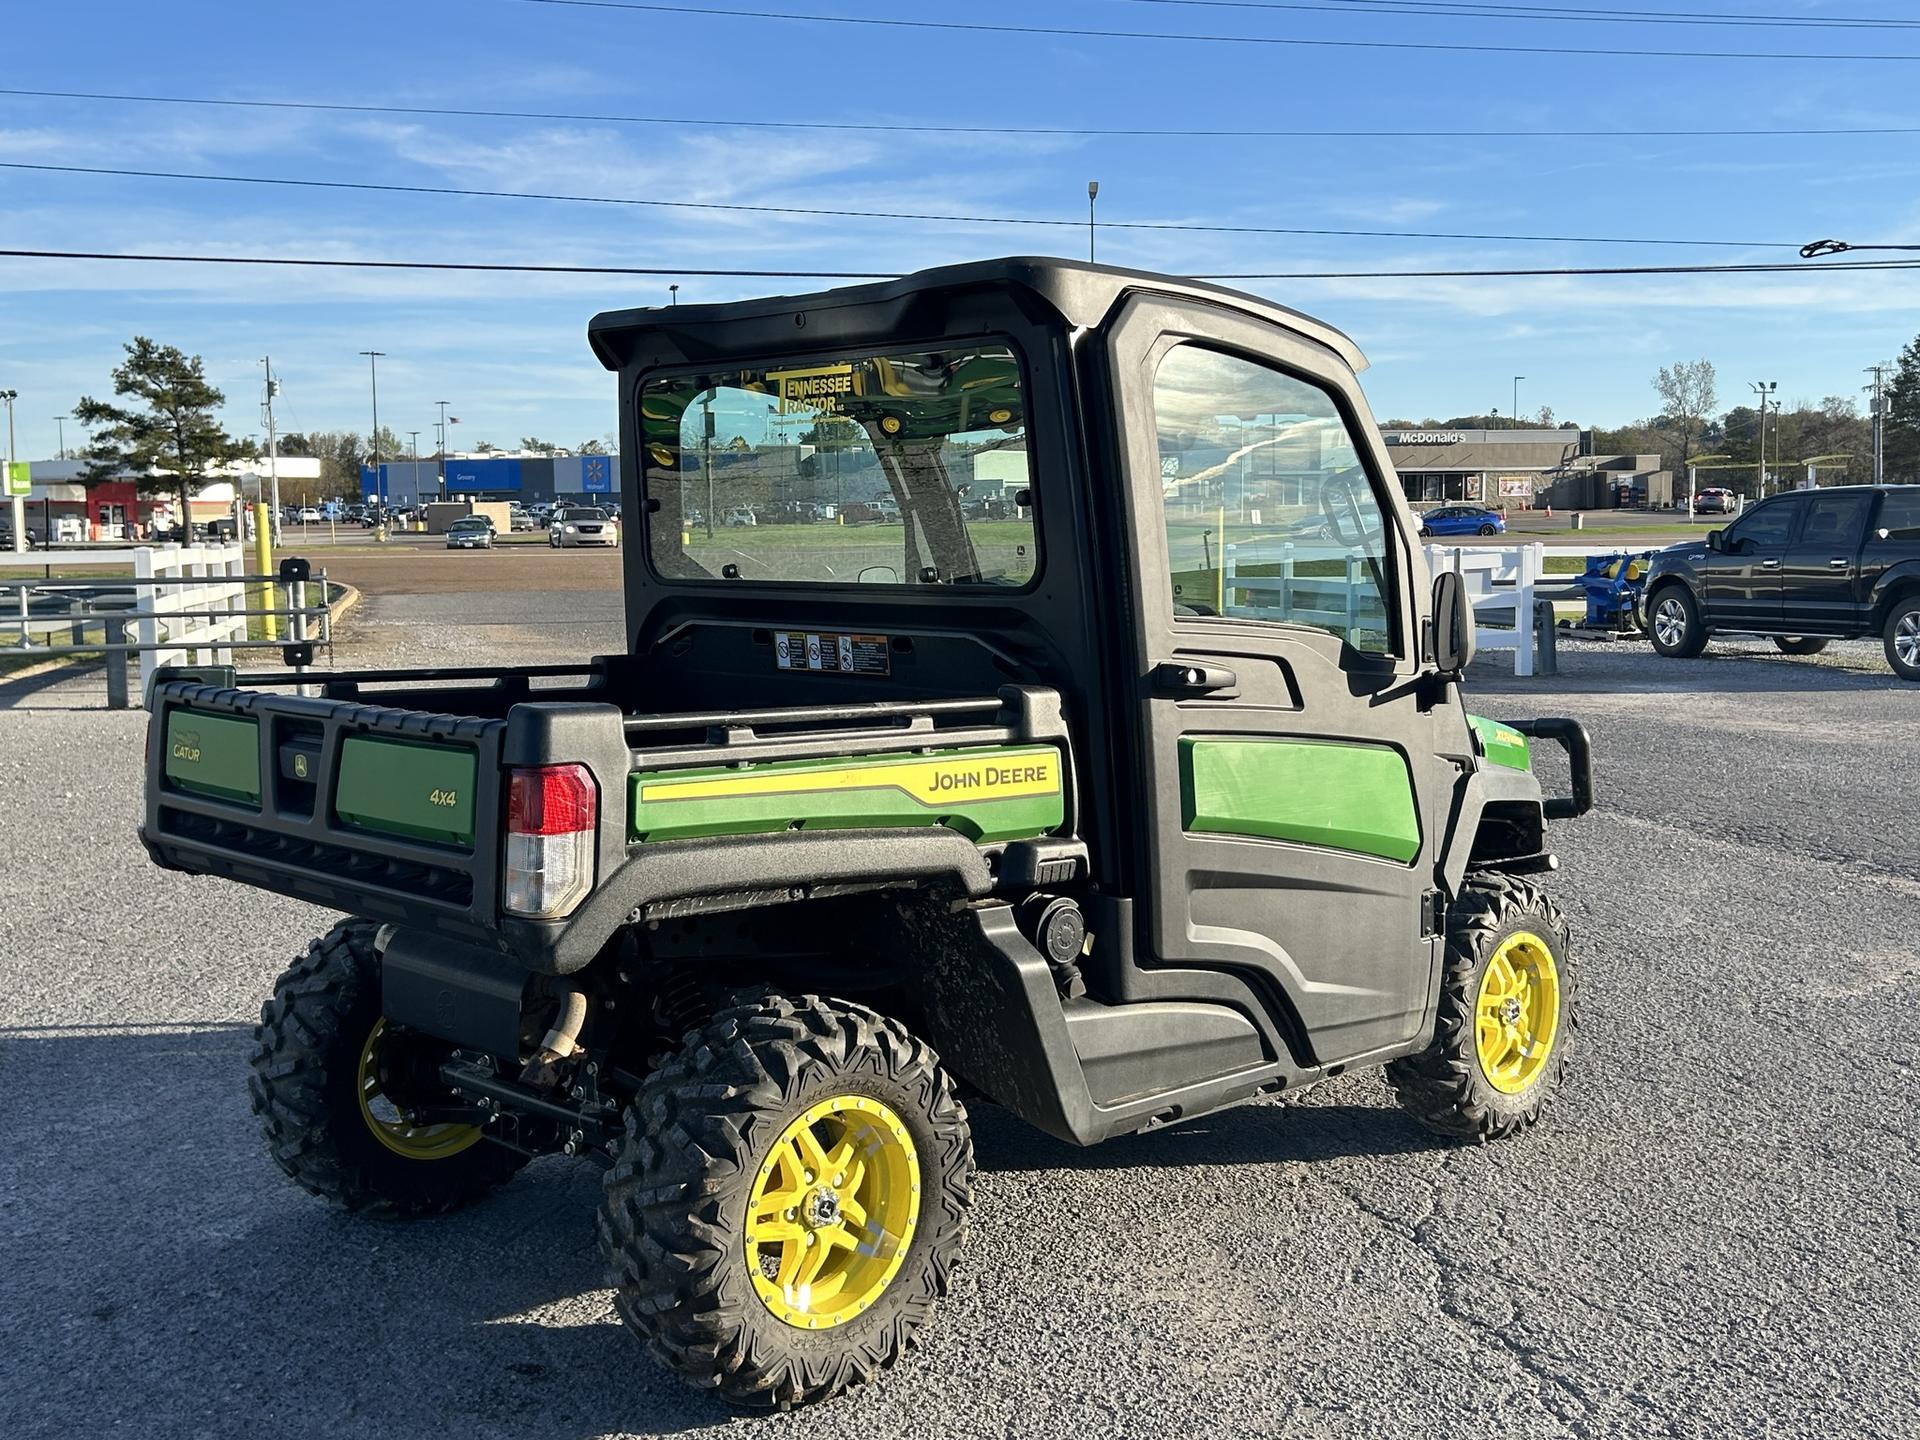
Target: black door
(1819, 580)
(1286, 770)
(1743, 576)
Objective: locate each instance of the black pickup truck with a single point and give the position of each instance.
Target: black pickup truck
(1806, 567)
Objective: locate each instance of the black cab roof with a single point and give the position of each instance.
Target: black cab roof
(1082, 294)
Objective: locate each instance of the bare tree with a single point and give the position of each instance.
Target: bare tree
(1688, 393)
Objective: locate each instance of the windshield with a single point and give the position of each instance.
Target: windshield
(903, 468)
(566, 515)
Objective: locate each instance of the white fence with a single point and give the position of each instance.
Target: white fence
(1511, 577)
(177, 618)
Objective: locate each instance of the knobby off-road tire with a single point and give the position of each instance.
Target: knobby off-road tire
(1902, 636)
(339, 1140)
(1674, 624)
(1449, 1087)
(1799, 644)
(700, 1146)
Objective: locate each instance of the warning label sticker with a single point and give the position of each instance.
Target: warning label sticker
(831, 653)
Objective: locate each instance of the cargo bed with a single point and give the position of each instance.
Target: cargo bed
(385, 796)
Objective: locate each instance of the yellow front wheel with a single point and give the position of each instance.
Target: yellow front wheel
(789, 1198)
(1506, 1015)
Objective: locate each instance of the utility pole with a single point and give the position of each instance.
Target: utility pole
(273, 445)
(1879, 424)
(1093, 193)
(1765, 390)
(19, 505)
(1516, 400)
(373, 372)
(706, 452)
(61, 421)
(413, 441)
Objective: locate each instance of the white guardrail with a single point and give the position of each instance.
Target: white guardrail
(169, 622)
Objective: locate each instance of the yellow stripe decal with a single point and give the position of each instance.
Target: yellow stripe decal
(930, 782)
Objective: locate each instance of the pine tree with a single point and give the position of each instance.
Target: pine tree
(171, 433)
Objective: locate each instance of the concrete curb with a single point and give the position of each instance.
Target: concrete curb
(348, 598)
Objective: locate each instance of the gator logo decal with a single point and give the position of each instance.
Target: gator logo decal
(186, 746)
(928, 782)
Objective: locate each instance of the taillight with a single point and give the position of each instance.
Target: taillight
(553, 814)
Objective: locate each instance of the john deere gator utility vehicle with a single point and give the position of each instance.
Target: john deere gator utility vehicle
(1033, 691)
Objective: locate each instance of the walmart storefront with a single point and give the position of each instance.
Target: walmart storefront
(528, 479)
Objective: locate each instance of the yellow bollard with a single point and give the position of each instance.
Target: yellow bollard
(262, 595)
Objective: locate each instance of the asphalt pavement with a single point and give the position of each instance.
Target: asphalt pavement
(1713, 1234)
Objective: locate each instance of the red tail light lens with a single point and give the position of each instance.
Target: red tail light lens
(553, 818)
(552, 800)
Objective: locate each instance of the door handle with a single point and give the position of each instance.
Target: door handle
(1174, 677)
(1769, 564)
(1840, 562)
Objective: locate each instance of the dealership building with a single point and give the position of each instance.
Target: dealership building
(1523, 469)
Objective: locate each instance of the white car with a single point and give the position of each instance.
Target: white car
(308, 516)
(577, 525)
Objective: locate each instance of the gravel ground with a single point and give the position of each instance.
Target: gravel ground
(1714, 1234)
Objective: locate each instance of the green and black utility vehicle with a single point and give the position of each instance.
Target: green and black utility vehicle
(1075, 729)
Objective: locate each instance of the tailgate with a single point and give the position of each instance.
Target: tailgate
(375, 811)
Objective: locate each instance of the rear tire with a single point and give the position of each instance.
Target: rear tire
(322, 1054)
(1489, 530)
(1799, 644)
(1902, 635)
(1501, 1037)
(689, 1221)
(1674, 624)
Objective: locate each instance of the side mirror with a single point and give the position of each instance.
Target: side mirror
(877, 575)
(1716, 539)
(1453, 627)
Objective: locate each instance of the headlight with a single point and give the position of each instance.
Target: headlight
(569, 529)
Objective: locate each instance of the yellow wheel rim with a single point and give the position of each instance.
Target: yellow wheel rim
(832, 1212)
(389, 1123)
(1517, 1014)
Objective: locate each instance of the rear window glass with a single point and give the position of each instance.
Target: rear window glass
(908, 467)
(1900, 514)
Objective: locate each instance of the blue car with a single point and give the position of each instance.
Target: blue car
(1463, 520)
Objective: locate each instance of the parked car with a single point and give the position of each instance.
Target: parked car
(1715, 502)
(1805, 568)
(308, 516)
(473, 533)
(741, 515)
(1463, 520)
(521, 518)
(577, 525)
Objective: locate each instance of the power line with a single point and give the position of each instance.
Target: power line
(1760, 268)
(881, 127)
(821, 211)
(1595, 14)
(1189, 38)
(1841, 247)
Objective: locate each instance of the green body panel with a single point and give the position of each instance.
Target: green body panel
(985, 793)
(1504, 744)
(214, 755)
(1344, 797)
(421, 792)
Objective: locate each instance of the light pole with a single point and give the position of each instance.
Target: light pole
(20, 504)
(413, 444)
(1516, 400)
(673, 294)
(1093, 193)
(61, 421)
(373, 374)
(443, 447)
(1764, 389)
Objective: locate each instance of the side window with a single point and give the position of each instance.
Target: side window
(1835, 521)
(1767, 525)
(1900, 515)
(1269, 513)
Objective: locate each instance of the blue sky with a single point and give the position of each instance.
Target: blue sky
(509, 352)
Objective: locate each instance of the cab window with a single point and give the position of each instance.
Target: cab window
(1269, 514)
(1900, 514)
(1834, 522)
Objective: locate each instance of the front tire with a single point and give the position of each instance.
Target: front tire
(1506, 1016)
(1799, 644)
(1674, 623)
(1902, 635)
(324, 1063)
(790, 1195)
